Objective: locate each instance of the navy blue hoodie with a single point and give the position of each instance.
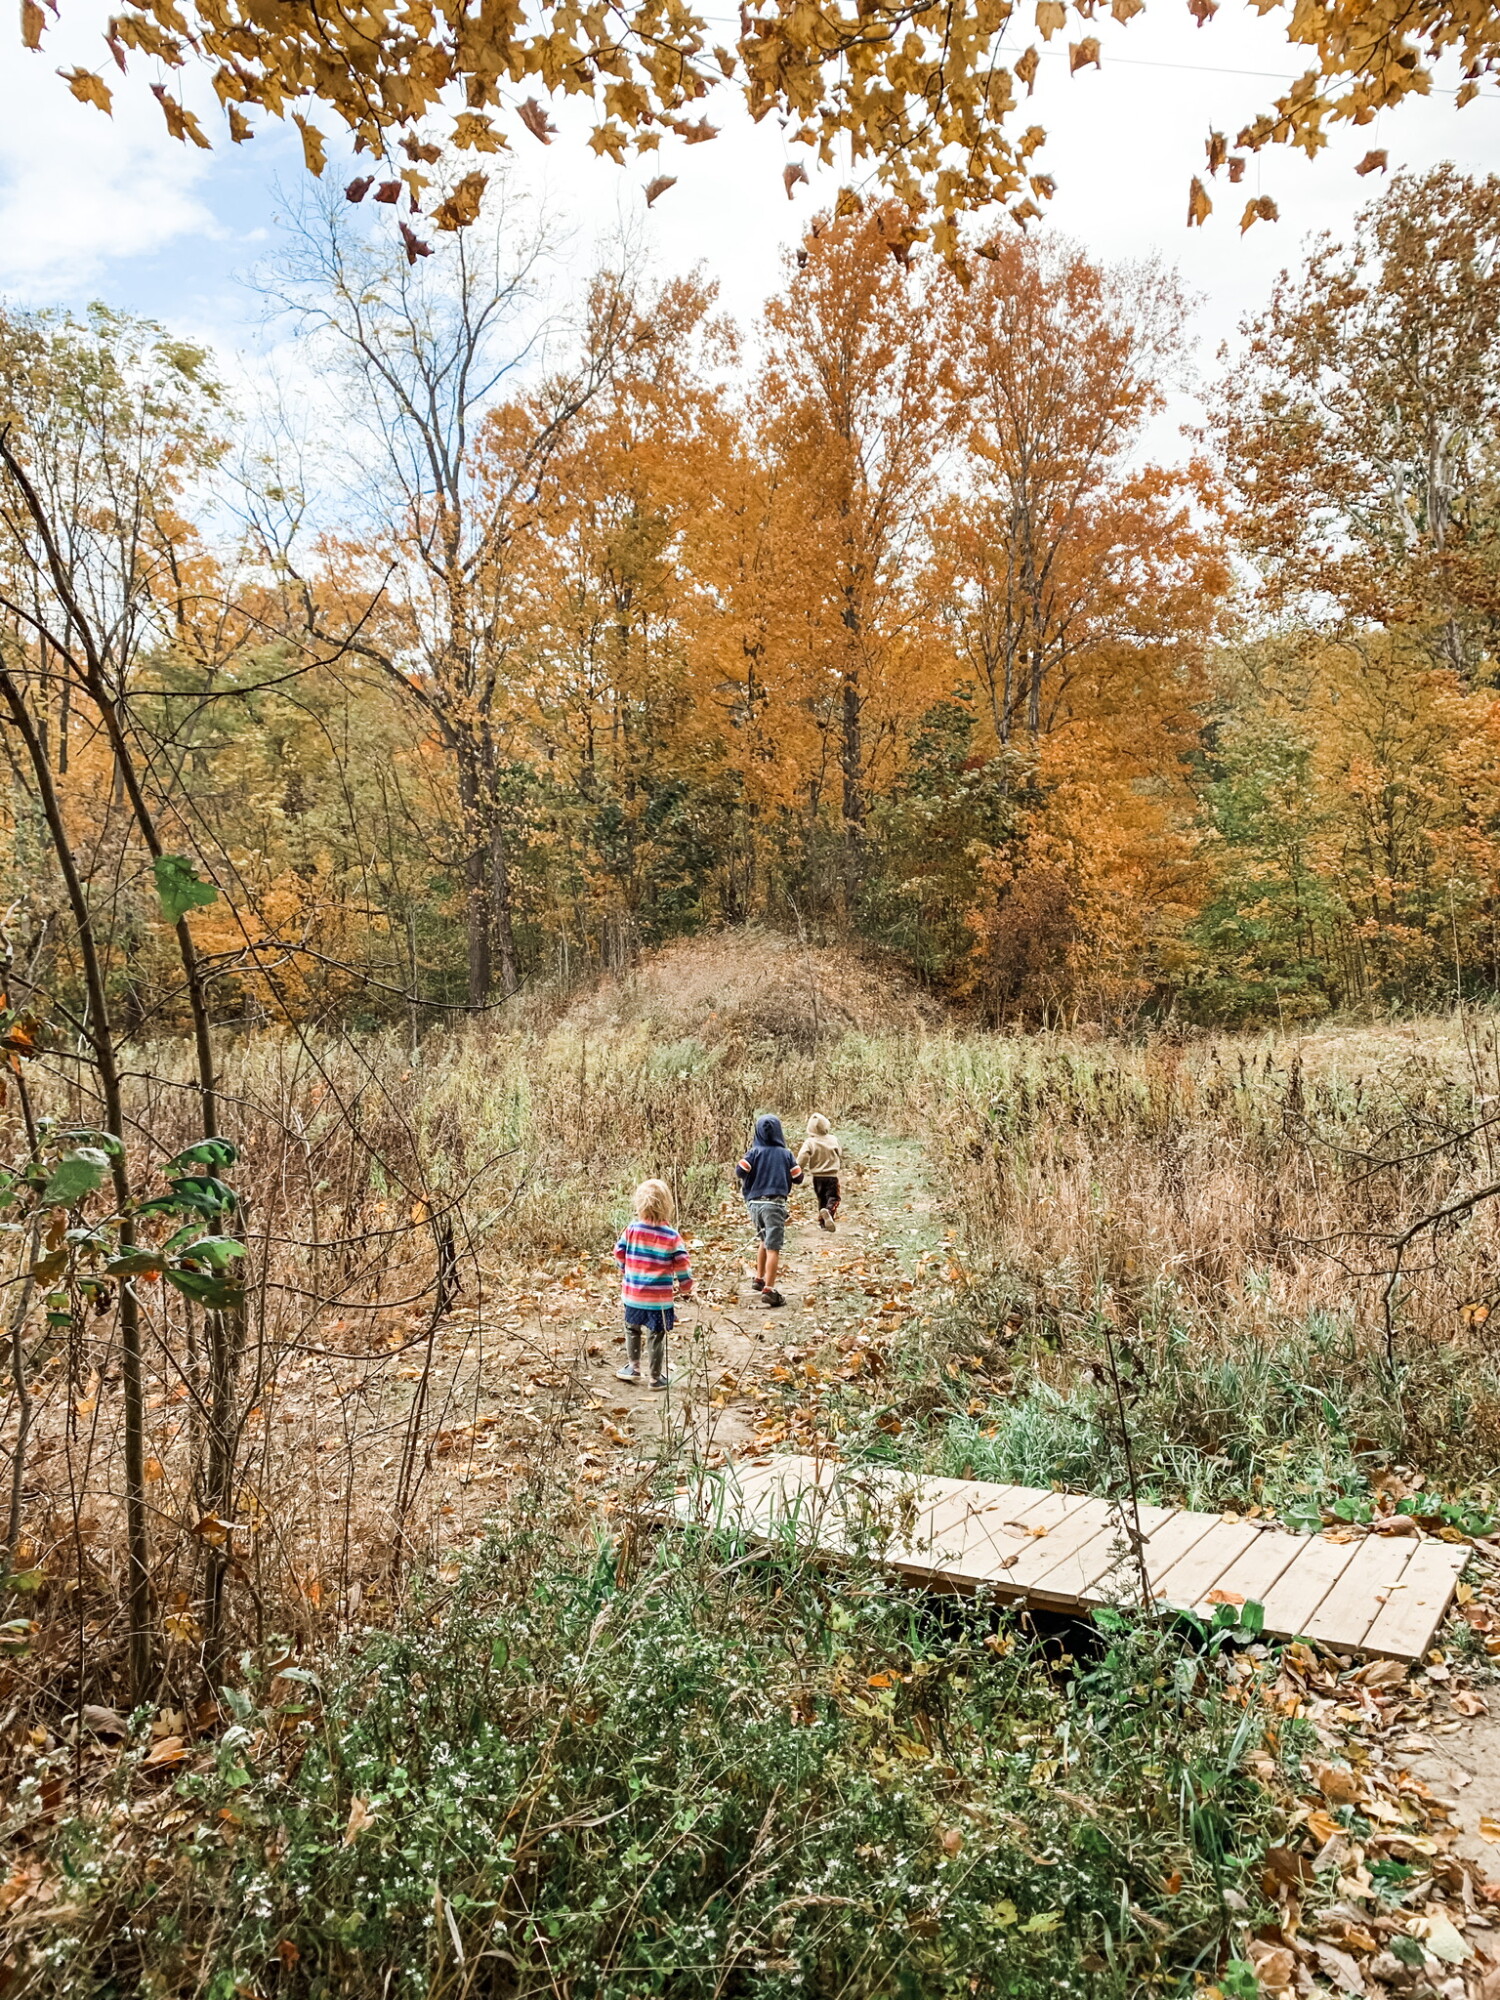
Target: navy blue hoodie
(769, 1169)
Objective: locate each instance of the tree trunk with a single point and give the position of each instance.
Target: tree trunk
(503, 932)
(101, 1038)
(476, 878)
(851, 763)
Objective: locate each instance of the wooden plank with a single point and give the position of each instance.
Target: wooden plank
(1194, 1574)
(1376, 1595)
(1349, 1609)
(993, 1536)
(1415, 1605)
(1293, 1600)
(1172, 1540)
(973, 1541)
(1263, 1564)
(1084, 1576)
(1074, 1532)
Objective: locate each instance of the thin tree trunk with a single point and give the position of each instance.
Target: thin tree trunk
(851, 762)
(476, 881)
(100, 1034)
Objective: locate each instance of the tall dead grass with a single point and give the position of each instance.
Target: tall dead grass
(411, 1212)
(1231, 1198)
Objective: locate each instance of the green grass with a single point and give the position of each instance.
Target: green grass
(680, 1773)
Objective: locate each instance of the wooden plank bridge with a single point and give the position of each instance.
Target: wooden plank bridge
(1374, 1594)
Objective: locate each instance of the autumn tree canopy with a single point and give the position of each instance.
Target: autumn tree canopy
(922, 96)
(598, 624)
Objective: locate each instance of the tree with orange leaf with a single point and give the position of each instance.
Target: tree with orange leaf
(855, 411)
(1359, 427)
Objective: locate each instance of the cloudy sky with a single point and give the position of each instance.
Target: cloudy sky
(111, 208)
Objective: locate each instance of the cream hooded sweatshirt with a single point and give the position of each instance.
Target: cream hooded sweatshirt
(820, 1152)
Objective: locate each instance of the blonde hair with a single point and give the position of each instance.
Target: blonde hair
(652, 1202)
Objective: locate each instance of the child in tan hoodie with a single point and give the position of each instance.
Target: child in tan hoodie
(822, 1157)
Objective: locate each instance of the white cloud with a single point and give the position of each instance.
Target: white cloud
(116, 206)
(81, 193)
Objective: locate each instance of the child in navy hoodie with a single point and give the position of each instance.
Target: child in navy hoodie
(767, 1175)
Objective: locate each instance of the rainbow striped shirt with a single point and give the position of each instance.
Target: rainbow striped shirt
(653, 1259)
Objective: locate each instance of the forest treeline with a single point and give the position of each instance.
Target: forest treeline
(531, 629)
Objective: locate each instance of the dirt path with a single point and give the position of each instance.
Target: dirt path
(534, 1372)
(727, 1342)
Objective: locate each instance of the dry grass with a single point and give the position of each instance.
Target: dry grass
(415, 1216)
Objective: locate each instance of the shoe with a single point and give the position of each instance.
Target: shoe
(661, 1381)
(757, 1284)
(831, 1223)
(825, 1220)
(629, 1373)
(770, 1298)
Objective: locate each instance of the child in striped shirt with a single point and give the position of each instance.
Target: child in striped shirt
(654, 1268)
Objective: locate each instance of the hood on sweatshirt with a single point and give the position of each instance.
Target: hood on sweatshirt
(768, 1131)
(817, 1125)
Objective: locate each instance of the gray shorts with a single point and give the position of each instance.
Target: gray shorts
(769, 1218)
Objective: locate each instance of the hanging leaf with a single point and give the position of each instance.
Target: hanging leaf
(313, 154)
(204, 1289)
(138, 1264)
(180, 888)
(1083, 54)
(1199, 205)
(75, 1176)
(659, 186)
(1374, 162)
(537, 123)
(215, 1153)
(1051, 16)
(1262, 209)
(195, 1194)
(218, 1252)
(462, 206)
(790, 175)
(181, 123)
(87, 88)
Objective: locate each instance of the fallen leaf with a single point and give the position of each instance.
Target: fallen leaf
(170, 1750)
(1274, 1965)
(1341, 1968)
(1468, 1704)
(360, 1818)
(1439, 1934)
(1337, 1783)
(1489, 1828)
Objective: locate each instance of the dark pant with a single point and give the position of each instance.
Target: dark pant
(826, 1188)
(655, 1324)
